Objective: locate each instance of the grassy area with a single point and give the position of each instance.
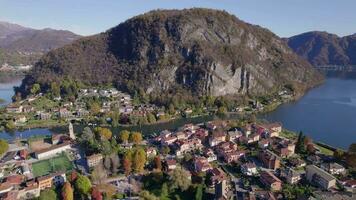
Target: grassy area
(288, 134)
(324, 150)
(60, 163)
(43, 103)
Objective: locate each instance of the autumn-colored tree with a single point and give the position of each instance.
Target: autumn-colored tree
(127, 162)
(165, 150)
(139, 160)
(136, 137)
(158, 163)
(104, 133)
(73, 176)
(67, 191)
(96, 194)
(180, 179)
(94, 108)
(99, 174)
(124, 136)
(339, 154)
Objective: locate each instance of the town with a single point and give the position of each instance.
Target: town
(220, 159)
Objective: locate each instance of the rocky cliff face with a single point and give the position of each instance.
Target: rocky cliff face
(322, 48)
(201, 51)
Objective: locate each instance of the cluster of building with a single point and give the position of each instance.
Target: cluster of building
(18, 187)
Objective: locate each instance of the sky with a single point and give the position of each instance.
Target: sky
(86, 17)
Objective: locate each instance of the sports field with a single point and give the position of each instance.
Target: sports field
(60, 163)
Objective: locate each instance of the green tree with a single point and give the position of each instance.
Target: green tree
(351, 155)
(10, 125)
(115, 118)
(67, 191)
(94, 107)
(146, 195)
(222, 110)
(48, 194)
(180, 180)
(124, 136)
(83, 185)
(35, 88)
(300, 145)
(165, 150)
(4, 146)
(199, 192)
(139, 160)
(55, 89)
(164, 192)
(105, 147)
(151, 118)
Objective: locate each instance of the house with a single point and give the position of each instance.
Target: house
(320, 177)
(291, 176)
(29, 192)
(333, 168)
(27, 109)
(25, 169)
(210, 155)
(44, 116)
(263, 144)
(45, 182)
(52, 151)
(20, 119)
(269, 159)
(171, 164)
(230, 157)
(221, 190)
(184, 146)
(13, 108)
(94, 160)
(249, 169)
(297, 162)
(274, 129)
(14, 179)
(201, 164)
(234, 134)
(166, 141)
(151, 152)
(23, 154)
(216, 138)
(216, 176)
(271, 181)
(64, 113)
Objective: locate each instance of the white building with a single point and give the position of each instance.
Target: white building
(52, 151)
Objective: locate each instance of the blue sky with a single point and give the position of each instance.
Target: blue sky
(86, 17)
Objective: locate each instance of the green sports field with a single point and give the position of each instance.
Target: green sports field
(60, 163)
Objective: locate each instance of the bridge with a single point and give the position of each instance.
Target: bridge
(336, 68)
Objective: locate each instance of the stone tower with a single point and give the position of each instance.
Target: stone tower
(71, 131)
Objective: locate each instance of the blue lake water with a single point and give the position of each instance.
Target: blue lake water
(7, 85)
(326, 113)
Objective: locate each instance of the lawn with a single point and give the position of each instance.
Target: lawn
(60, 163)
(324, 150)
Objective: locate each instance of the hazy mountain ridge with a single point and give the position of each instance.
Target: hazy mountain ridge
(322, 48)
(22, 45)
(202, 51)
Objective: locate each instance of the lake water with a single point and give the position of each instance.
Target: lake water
(7, 84)
(326, 113)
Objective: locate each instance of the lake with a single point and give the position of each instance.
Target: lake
(7, 84)
(326, 113)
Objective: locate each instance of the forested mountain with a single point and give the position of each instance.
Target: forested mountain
(322, 48)
(179, 52)
(22, 45)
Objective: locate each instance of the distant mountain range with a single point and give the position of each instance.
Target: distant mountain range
(22, 45)
(322, 48)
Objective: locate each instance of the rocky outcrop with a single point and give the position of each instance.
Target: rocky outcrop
(200, 51)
